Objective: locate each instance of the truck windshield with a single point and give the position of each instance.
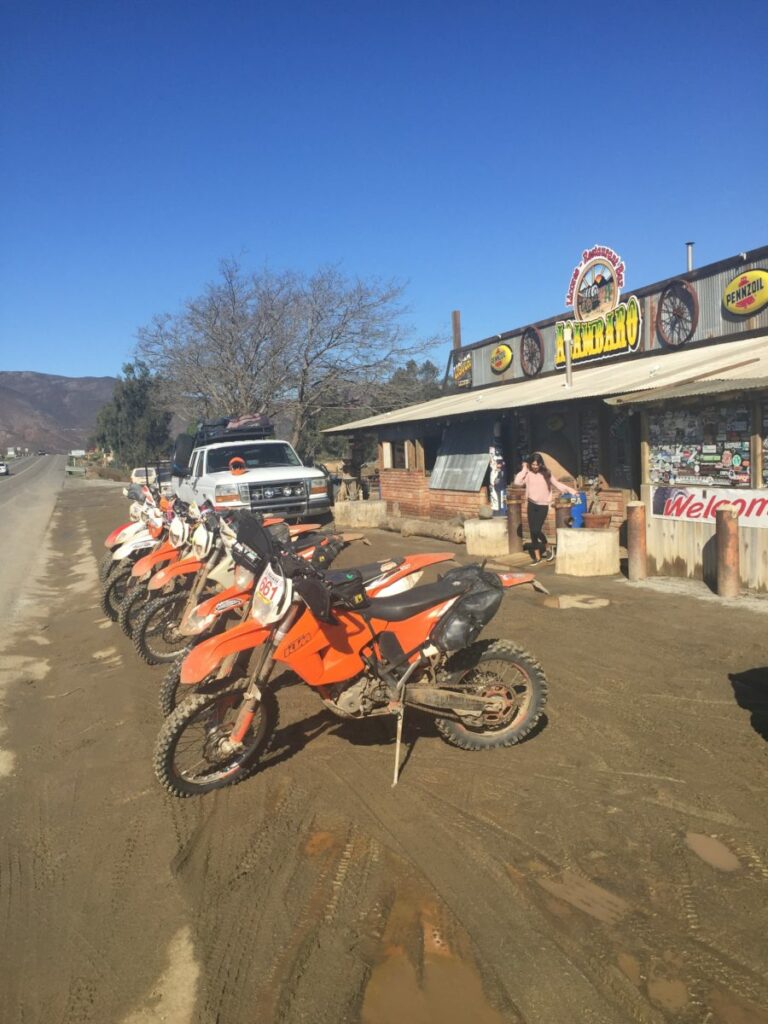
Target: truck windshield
(257, 456)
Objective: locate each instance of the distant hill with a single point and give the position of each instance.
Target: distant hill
(42, 410)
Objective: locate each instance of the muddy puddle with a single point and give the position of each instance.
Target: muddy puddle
(712, 851)
(425, 972)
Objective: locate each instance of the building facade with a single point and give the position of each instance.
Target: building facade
(660, 393)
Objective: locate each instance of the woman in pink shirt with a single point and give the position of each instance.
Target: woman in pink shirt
(538, 490)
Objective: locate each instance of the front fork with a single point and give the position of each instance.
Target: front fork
(259, 674)
(202, 575)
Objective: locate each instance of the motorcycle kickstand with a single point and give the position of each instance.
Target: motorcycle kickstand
(400, 712)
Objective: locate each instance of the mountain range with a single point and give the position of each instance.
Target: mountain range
(42, 410)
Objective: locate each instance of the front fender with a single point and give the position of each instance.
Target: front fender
(206, 657)
(111, 540)
(201, 618)
(166, 553)
(170, 572)
(213, 605)
(137, 543)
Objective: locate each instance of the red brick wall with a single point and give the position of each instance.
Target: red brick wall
(409, 488)
(613, 500)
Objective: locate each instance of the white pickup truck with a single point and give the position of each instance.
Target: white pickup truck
(261, 474)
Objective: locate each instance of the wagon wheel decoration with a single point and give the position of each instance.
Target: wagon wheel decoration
(678, 314)
(531, 352)
(596, 290)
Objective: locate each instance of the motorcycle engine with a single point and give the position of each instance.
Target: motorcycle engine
(357, 698)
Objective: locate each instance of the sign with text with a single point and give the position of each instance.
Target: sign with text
(699, 505)
(603, 326)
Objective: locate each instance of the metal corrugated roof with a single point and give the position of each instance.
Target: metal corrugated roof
(691, 389)
(746, 359)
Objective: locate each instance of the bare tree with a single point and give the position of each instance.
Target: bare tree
(224, 353)
(269, 342)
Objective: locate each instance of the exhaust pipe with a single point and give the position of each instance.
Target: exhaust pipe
(689, 247)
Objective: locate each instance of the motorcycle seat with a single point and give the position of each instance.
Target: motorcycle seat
(369, 572)
(411, 602)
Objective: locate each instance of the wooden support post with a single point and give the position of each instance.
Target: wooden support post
(645, 450)
(515, 525)
(727, 542)
(756, 446)
(637, 541)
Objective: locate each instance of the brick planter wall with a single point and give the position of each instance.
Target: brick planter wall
(409, 489)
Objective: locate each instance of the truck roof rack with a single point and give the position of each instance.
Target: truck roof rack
(255, 427)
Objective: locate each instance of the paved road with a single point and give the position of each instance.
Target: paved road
(610, 870)
(27, 499)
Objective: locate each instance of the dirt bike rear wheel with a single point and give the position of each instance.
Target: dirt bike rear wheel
(131, 607)
(188, 760)
(155, 635)
(502, 669)
(113, 590)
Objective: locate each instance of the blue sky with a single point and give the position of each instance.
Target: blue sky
(471, 150)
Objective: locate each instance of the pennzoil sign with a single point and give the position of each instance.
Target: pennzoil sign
(501, 358)
(746, 294)
(603, 325)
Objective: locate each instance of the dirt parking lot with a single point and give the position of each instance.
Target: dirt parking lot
(612, 868)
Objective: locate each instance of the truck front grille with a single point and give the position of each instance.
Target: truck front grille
(287, 498)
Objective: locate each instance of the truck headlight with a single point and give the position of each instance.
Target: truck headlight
(226, 493)
(318, 487)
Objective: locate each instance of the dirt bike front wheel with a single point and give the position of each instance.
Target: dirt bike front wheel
(192, 754)
(114, 589)
(132, 605)
(155, 633)
(107, 565)
(502, 670)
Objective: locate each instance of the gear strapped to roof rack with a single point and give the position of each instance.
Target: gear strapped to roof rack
(255, 427)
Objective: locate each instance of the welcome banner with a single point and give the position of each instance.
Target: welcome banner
(699, 505)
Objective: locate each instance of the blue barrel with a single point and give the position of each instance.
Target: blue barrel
(578, 508)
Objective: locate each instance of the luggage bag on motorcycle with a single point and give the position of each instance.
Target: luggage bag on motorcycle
(479, 602)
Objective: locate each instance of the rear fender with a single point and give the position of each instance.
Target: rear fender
(405, 575)
(165, 553)
(184, 567)
(297, 529)
(515, 579)
(205, 658)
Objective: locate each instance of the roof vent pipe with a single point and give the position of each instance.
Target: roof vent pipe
(689, 247)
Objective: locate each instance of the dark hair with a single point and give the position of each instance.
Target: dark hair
(538, 457)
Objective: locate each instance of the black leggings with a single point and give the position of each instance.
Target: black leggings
(537, 515)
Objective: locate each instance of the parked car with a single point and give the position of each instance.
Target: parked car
(4, 471)
(143, 475)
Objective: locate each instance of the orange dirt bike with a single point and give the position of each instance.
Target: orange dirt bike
(383, 578)
(171, 554)
(363, 656)
(128, 544)
(175, 590)
(173, 544)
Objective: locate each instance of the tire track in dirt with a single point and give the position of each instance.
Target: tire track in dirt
(77, 875)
